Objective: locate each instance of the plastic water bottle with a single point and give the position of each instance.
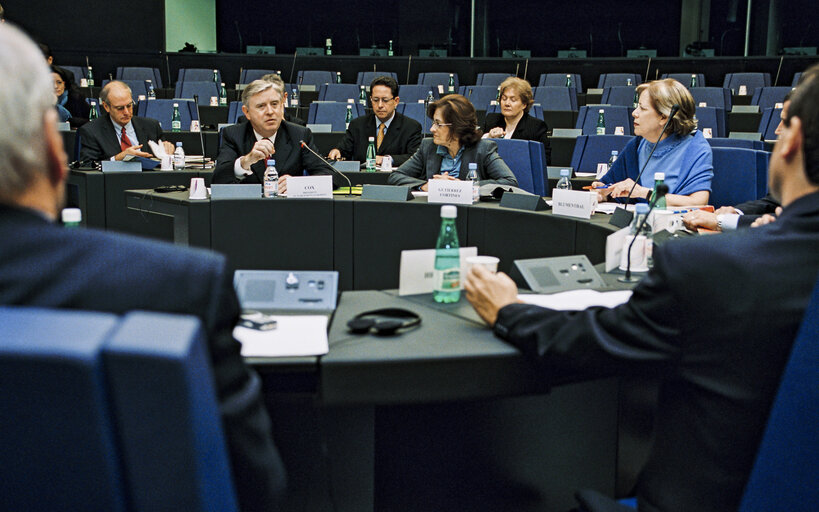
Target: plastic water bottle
(390, 53)
(447, 287)
(72, 217)
(451, 87)
(659, 178)
(601, 122)
(568, 80)
(151, 92)
(176, 119)
(179, 157)
(362, 95)
(371, 155)
(222, 94)
(563, 183)
(348, 117)
(430, 97)
(693, 80)
(636, 99)
(90, 77)
(338, 77)
(328, 46)
(294, 98)
(643, 248)
(628, 82)
(472, 176)
(216, 76)
(93, 113)
(612, 158)
(271, 179)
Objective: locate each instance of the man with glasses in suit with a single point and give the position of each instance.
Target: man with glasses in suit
(119, 134)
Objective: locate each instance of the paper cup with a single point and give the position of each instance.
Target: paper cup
(197, 189)
(167, 163)
(490, 263)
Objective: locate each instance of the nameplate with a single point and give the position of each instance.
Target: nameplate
(573, 203)
(235, 191)
(450, 192)
(310, 187)
(121, 166)
(417, 271)
(386, 192)
(528, 202)
(347, 165)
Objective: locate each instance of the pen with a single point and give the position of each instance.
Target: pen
(589, 187)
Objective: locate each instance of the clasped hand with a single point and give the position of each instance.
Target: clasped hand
(619, 189)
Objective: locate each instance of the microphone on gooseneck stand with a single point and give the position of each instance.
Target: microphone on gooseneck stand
(349, 183)
(662, 190)
(201, 140)
(621, 216)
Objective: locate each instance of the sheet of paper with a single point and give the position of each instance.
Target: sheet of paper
(609, 207)
(158, 149)
(577, 300)
(586, 174)
(302, 335)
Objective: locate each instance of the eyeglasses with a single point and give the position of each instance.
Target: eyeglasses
(436, 124)
(120, 108)
(382, 100)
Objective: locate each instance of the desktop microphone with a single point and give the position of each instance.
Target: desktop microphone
(621, 216)
(662, 190)
(201, 140)
(349, 183)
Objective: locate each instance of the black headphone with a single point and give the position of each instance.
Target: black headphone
(385, 322)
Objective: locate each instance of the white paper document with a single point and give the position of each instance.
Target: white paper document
(302, 335)
(577, 300)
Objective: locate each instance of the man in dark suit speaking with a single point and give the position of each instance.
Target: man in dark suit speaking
(395, 134)
(45, 265)
(247, 146)
(120, 133)
(713, 321)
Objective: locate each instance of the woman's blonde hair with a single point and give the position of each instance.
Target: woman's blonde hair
(663, 95)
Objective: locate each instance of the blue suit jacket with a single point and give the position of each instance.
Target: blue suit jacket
(714, 321)
(45, 265)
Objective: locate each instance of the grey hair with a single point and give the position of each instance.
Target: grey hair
(107, 90)
(257, 86)
(277, 82)
(26, 95)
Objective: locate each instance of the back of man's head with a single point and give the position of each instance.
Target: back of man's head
(26, 94)
(805, 105)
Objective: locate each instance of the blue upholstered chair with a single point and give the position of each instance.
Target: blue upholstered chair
(142, 74)
(770, 120)
(768, 97)
(719, 97)
(491, 79)
(735, 176)
(249, 75)
(412, 93)
(197, 75)
(315, 77)
(436, 79)
(138, 87)
(713, 118)
(751, 81)
(480, 95)
(590, 150)
(685, 78)
(339, 92)
(724, 142)
(559, 80)
(556, 98)
(796, 78)
(518, 156)
(620, 95)
(614, 116)
(162, 111)
(332, 113)
(618, 79)
(535, 111)
(204, 90)
(366, 77)
(416, 111)
(78, 71)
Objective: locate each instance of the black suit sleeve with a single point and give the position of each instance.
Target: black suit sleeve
(228, 153)
(347, 144)
(90, 146)
(413, 143)
(258, 472)
(311, 162)
(761, 206)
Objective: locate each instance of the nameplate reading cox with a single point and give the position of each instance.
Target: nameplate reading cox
(449, 191)
(312, 187)
(573, 203)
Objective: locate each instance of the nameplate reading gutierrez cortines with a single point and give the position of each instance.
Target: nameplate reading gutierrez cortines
(450, 192)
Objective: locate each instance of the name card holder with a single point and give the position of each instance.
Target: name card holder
(386, 192)
(574, 203)
(121, 166)
(310, 187)
(450, 192)
(235, 191)
(526, 202)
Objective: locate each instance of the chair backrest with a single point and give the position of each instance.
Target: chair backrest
(724, 142)
(762, 161)
(78, 71)
(137, 73)
(333, 113)
(366, 77)
(620, 95)
(535, 111)
(785, 472)
(109, 414)
(479, 95)
(518, 157)
(713, 118)
(205, 91)
(767, 97)
(590, 150)
(315, 77)
(751, 81)
(138, 87)
(339, 92)
(685, 78)
(735, 176)
(249, 75)
(234, 112)
(618, 79)
(416, 111)
(556, 98)
(491, 79)
(162, 111)
(614, 116)
(412, 93)
(712, 97)
(436, 79)
(770, 120)
(796, 78)
(559, 80)
(537, 153)
(197, 75)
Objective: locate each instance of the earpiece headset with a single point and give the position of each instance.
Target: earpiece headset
(384, 322)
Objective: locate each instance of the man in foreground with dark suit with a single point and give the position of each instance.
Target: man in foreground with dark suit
(246, 146)
(395, 134)
(714, 321)
(120, 133)
(45, 265)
